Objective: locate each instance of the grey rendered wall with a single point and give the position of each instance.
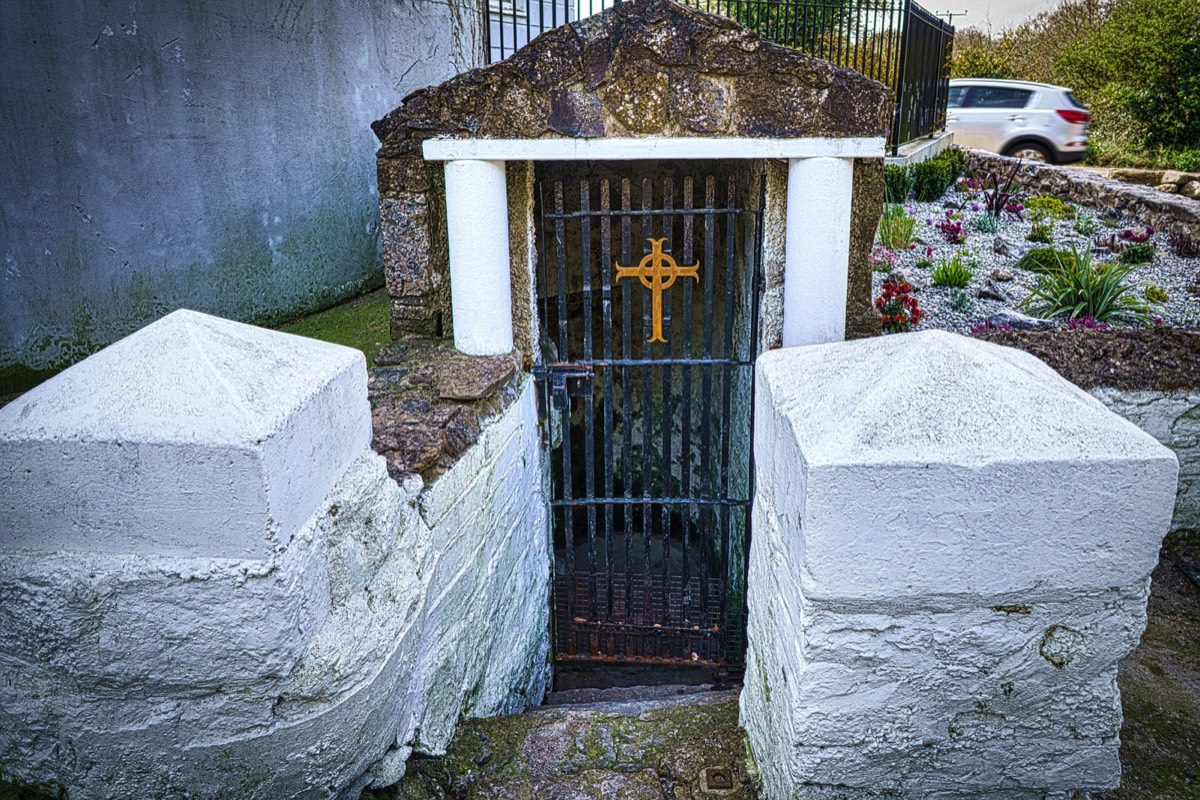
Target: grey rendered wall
(196, 153)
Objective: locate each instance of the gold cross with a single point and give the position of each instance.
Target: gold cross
(657, 272)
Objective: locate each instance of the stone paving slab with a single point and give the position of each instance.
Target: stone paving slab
(667, 747)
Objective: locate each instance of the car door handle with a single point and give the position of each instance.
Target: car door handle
(1016, 118)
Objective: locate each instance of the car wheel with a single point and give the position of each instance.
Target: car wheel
(1028, 151)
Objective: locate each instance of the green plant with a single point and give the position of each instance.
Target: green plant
(960, 301)
(956, 158)
(896, 227)
(1183, 244)
(1049, 208)
(1042, 232)
(932, 177)
(1076, 287)
(923, 263)
(986, 222)
(1137, 254)
(1188, 160)
(882, 260)
(1156, 294)
(898, 309)
(1139, 71)
(897, 182)
(1000, 192)
(1084, 224)
(1042, 259)
(955, 273)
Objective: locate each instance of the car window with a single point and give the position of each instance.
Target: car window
(957, 93)
(1075, 101)
(997, 97)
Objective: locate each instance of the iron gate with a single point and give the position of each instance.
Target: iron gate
(648, 320)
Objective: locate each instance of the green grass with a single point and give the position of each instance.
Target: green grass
(361, 323)
(955, 273)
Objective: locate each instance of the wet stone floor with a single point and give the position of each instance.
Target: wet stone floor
(685, 746)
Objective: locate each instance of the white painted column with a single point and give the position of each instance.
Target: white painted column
(480, 275)
(817, 250)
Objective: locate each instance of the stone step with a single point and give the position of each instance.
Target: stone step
(640, 742)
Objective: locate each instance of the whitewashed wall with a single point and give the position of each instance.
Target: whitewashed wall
(1172, 418)
(952, 548)
(308, 667)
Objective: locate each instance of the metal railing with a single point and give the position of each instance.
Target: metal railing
(896, 42)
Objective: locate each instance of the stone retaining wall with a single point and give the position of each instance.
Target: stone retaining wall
(359, 625)
(1160, 209)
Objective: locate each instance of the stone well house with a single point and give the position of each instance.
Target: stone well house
(619, 426)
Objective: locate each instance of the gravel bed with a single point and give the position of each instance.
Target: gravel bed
(1168, 271)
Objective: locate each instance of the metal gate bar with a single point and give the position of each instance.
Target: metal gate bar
(618, 608)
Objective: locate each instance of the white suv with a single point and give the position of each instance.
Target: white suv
(1033, 121)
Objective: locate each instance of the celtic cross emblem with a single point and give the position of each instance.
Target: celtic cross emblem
(657, 272)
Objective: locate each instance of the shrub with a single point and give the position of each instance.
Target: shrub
(1183, 245)
(1050, 208)
(1137, 254)
(960, 301)
(1084, 224)
(1156, 294)
(896, 227)
(899, 309)
(930, 179)
(986, 222)
(956, 158)
(1188, 160)
(955, 273)
(1078, 287)
(897, 182)
(1043, 259)
(1140, 72)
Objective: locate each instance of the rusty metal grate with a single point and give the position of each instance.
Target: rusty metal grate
(646, 386)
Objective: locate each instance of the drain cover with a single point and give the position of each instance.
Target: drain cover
(718, 779)
(1192, 571)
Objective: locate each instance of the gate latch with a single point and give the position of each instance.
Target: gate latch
(568, 381)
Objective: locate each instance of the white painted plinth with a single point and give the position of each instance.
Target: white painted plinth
(195, 436)
(817, 250)
(951, 550)
(480, 280)
(162, 665)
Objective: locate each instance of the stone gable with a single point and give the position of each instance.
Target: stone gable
(644, 68)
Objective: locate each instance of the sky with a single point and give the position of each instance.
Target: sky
(1000, 14)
